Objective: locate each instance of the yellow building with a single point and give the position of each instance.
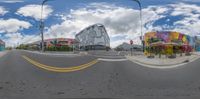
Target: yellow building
(167, 43)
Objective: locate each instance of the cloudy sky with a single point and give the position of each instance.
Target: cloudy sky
(19, 19)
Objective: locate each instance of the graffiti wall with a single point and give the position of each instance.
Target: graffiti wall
(59, 42)
(168, 37)
(168, 43)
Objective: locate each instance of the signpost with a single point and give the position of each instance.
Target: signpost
(131, 42)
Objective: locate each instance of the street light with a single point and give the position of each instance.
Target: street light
(139, 3)
(42, 23)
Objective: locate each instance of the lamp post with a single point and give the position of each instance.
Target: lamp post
(42, 24)
(141, 38)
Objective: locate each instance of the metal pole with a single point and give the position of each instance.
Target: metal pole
(73, 47)
(141, 22)
(42, 27)
(42, 24)
(131, 51)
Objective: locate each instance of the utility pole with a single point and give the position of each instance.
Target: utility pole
(42, 25)
(141, 23)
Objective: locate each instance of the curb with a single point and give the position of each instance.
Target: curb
(52, 54)
(3, 53)
(109, 57)
(162, 66)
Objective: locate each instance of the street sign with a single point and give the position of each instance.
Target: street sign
(140, 37)
(131, 42)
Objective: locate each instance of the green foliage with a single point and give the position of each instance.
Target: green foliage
(22, 46)
(153, 40)
(59, 48)
(8, 48)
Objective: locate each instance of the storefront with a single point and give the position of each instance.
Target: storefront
(2, 45)
(197, 43)
(168, 43)
(53, 44)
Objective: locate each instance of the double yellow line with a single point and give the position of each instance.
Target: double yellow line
(58, 69)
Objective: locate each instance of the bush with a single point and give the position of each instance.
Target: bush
(24, 47)
(59, 48)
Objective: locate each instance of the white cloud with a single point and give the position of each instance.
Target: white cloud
(3, 10)
(192, 0)
(11, 1)
(191, 18)
(35, 11)
(14, 39)
(184, 9)
(123, 23)
(186, 19)
(13, 25)
(117, 20)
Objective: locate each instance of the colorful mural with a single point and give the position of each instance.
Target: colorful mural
(168, 42)
(59, 42)
(2, 45)
(56, 42)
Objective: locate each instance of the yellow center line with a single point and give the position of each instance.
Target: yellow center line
(58, 69)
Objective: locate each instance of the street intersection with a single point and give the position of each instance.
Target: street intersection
(24, 74)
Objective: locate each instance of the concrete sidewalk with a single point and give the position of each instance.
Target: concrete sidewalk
(196, 53)
(54, 53)
(163, 61)
(2, 53)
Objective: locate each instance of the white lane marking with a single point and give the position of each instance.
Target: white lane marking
(112, 60)
(159, 67)
(101, 56)
(52, 54)
(163, 67)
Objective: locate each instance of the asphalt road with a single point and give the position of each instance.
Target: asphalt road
(20, 79)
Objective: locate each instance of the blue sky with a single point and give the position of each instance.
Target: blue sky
(19, 19)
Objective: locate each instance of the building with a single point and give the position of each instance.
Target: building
(55, 42)
(197, 43)
(2, 45)
(94, 37)
(168, 43)
(128, 47)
